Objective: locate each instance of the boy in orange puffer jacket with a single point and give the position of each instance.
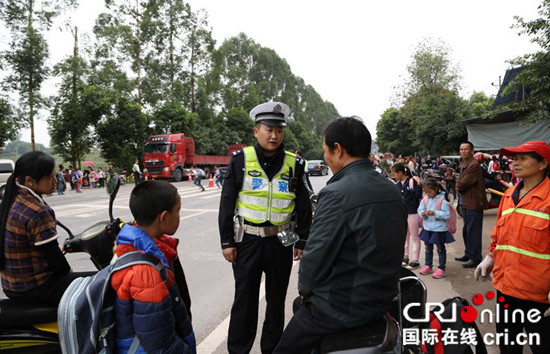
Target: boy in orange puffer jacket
(150, 312)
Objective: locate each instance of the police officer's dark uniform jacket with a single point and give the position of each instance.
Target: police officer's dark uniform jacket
(259, 252)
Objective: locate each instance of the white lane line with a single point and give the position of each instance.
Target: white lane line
(211, 196)
(192, 215)
(207, 192)
(219, 334)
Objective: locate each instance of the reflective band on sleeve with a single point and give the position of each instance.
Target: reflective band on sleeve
(524, 252)
(536, 214)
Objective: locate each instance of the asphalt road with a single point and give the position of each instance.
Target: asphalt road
(210, 277)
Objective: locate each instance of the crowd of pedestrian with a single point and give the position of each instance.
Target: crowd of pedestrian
(75, 179)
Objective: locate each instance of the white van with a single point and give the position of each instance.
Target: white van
(6, 169)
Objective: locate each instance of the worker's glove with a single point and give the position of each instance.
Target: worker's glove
(484, 268)
(547, 312)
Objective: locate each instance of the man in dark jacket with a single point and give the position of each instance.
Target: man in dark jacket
(351, 263)
(471, 188)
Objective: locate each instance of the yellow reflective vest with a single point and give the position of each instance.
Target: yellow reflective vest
(521, 245)
(261, 200)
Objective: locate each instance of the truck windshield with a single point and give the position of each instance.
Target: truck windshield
(156, 148)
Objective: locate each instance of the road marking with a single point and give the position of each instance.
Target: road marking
(190, 216)
(197, 194)
(219, 334)
(211, 196)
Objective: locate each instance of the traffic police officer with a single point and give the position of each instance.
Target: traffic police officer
(263, 194)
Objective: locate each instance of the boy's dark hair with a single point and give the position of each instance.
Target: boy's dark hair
(150, 198)
(469, 143)
(351, 133)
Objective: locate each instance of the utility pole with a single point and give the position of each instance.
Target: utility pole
(499, 82)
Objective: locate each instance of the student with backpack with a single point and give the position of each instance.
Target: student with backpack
(77, 180)
(435, 210)
(411, 192)
(150, 313)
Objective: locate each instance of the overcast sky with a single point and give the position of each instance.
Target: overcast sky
(355, 52)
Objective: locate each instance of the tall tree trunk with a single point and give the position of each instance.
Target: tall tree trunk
(31, 91)
(138, 55)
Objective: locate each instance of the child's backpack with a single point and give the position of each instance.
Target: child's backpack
(86, 313)
(451, 221)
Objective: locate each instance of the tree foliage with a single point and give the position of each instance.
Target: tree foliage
(430, 117)
(9, 123)
(536, 72)
(27, 20)
(122, 135)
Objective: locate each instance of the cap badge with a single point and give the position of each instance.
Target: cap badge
(277, 108)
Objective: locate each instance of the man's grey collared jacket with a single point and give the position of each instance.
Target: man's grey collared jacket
(352, 259)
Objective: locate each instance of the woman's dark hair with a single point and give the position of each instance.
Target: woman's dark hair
(34, 164)
(351, 133)
(149, 199)
(539, 158)
(432, 183)
(399, 167)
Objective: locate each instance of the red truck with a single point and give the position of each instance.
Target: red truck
(171, 155)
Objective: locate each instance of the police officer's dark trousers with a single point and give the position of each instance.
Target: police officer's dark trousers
(256, 255)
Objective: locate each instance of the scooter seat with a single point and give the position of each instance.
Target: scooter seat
(20, 313)
(379, 337)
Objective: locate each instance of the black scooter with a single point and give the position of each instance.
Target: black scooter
(386, 336)
(32, 328)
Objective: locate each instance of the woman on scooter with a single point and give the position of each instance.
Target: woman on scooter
(32, 266)
(519, 253)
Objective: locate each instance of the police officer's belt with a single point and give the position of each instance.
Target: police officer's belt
(264, 231)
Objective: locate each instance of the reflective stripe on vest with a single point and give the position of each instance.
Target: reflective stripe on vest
(536, 214)
(261, 200)
(524, 252)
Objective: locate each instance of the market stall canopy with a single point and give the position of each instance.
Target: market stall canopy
(89, 163)
(507, 128)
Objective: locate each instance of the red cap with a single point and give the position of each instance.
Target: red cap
(540, 147)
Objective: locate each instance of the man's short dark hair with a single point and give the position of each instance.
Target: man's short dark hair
(351, 133)
(469, 143)
(150, 198)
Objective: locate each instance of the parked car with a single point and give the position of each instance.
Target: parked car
(317, 167)
(6, 169)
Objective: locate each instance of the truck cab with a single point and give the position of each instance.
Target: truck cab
(164, 156)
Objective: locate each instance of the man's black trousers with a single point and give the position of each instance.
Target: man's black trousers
(256, 255)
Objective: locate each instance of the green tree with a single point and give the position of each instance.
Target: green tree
(122, 135)
(436, 121)
(536, 72)
(171, 117)
(480, 104)
(28, 51)
(251, 74)
(9, 124)
(78, 107)
(238, 121)
(430, 117)
(394, 133)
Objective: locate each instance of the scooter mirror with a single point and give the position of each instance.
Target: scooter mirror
(112, 189)
(112, 184)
